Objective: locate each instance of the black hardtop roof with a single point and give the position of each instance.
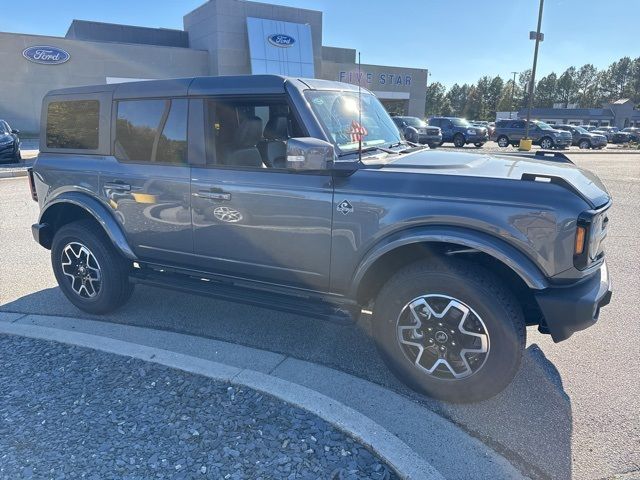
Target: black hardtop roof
(227, 85)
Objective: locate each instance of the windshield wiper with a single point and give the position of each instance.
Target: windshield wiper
(368, 149)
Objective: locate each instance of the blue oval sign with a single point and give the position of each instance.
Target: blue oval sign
(45, 54)
(281, 40)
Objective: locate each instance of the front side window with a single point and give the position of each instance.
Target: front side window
(152, 131)
(347, 119)
(249, 132)
(73, 124)
(460, 122)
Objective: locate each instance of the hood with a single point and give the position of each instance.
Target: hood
(524, 168)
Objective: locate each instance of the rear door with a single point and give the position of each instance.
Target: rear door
(253, 218)
(147, 180)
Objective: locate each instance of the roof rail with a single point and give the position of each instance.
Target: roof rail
(552, 156)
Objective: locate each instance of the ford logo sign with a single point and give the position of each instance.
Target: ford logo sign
(45, 55)
(281, 40)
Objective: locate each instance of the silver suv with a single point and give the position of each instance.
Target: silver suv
(510, 132)
(301, 195)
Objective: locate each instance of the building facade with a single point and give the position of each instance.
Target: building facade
(221, 37)
(621, 113)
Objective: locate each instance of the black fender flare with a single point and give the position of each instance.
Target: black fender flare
(499, 249)
(99, 212)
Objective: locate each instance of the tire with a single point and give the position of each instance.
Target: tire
(434, 145)
(484, 297)
(108, 286)
(18, 156)
(584, 144)
(478, 144)
(546, 143)
(459, 140)
(503, 141)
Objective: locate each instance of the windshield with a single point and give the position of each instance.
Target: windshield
(544, 126)
(460, 122)
(581, 130)
(414, 122)
(345, 125)
(3, 130)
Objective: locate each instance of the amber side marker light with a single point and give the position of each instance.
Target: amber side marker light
(581, 234)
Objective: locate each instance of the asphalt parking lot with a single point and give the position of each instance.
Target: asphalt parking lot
(572, 411)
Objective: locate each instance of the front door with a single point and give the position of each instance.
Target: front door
(253, 218)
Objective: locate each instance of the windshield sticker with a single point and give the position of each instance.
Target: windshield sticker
(318, 101)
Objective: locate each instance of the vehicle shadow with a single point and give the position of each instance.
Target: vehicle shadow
(530, 422)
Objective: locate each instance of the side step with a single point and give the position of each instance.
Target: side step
(343, 313)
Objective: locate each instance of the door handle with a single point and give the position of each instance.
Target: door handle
(122, 187)
(212, 195)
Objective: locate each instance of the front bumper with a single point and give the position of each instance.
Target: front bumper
(430, 139)
(567, 310)
(477, 138)
(7, 151)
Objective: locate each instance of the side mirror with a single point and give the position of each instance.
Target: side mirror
(15, 132)
(309, 153)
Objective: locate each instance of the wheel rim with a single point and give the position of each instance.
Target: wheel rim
(584, 145)
(502, 142)
(82, 270)
(546, 143)
(442, 337)
(459, 142)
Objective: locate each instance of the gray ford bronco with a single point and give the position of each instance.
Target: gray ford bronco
(301, 195)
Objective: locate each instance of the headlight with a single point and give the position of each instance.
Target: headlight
(589, 241)
(471, 131)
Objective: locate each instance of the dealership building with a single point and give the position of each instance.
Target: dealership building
(221, 37)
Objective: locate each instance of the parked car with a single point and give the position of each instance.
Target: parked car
(589, 128)
(454, 254)
(510, 132)
(9, 143)
(483, 124)
(634, 133)
(613, 134)
(582, 138)
(416, 130)
(459, 131)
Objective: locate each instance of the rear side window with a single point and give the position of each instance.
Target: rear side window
(152, 131)
(73, 124)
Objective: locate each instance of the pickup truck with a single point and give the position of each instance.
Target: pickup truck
(301, 195)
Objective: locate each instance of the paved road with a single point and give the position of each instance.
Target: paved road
(572, 411)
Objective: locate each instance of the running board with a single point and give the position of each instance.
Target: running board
(343, 314)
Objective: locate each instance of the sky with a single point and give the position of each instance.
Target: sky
(458, 41)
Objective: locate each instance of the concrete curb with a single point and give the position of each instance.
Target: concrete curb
(18, 172)
(407, 463)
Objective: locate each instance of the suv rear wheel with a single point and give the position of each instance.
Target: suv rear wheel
(546, 143)
(90, 272)
(503, 141)
(459, 140)
(450, 329)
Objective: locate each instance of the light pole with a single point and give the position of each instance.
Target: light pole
(513, 92)
(525, 144)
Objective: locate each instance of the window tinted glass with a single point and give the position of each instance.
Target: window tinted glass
(73, 124)
(172, 146)
(415, 122)
(250, 133)
(152, 131)
(460, 122)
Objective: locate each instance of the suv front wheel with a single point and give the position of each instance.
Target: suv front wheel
(90, 272)
(546, 143)
(450, 329)
(459, 141)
